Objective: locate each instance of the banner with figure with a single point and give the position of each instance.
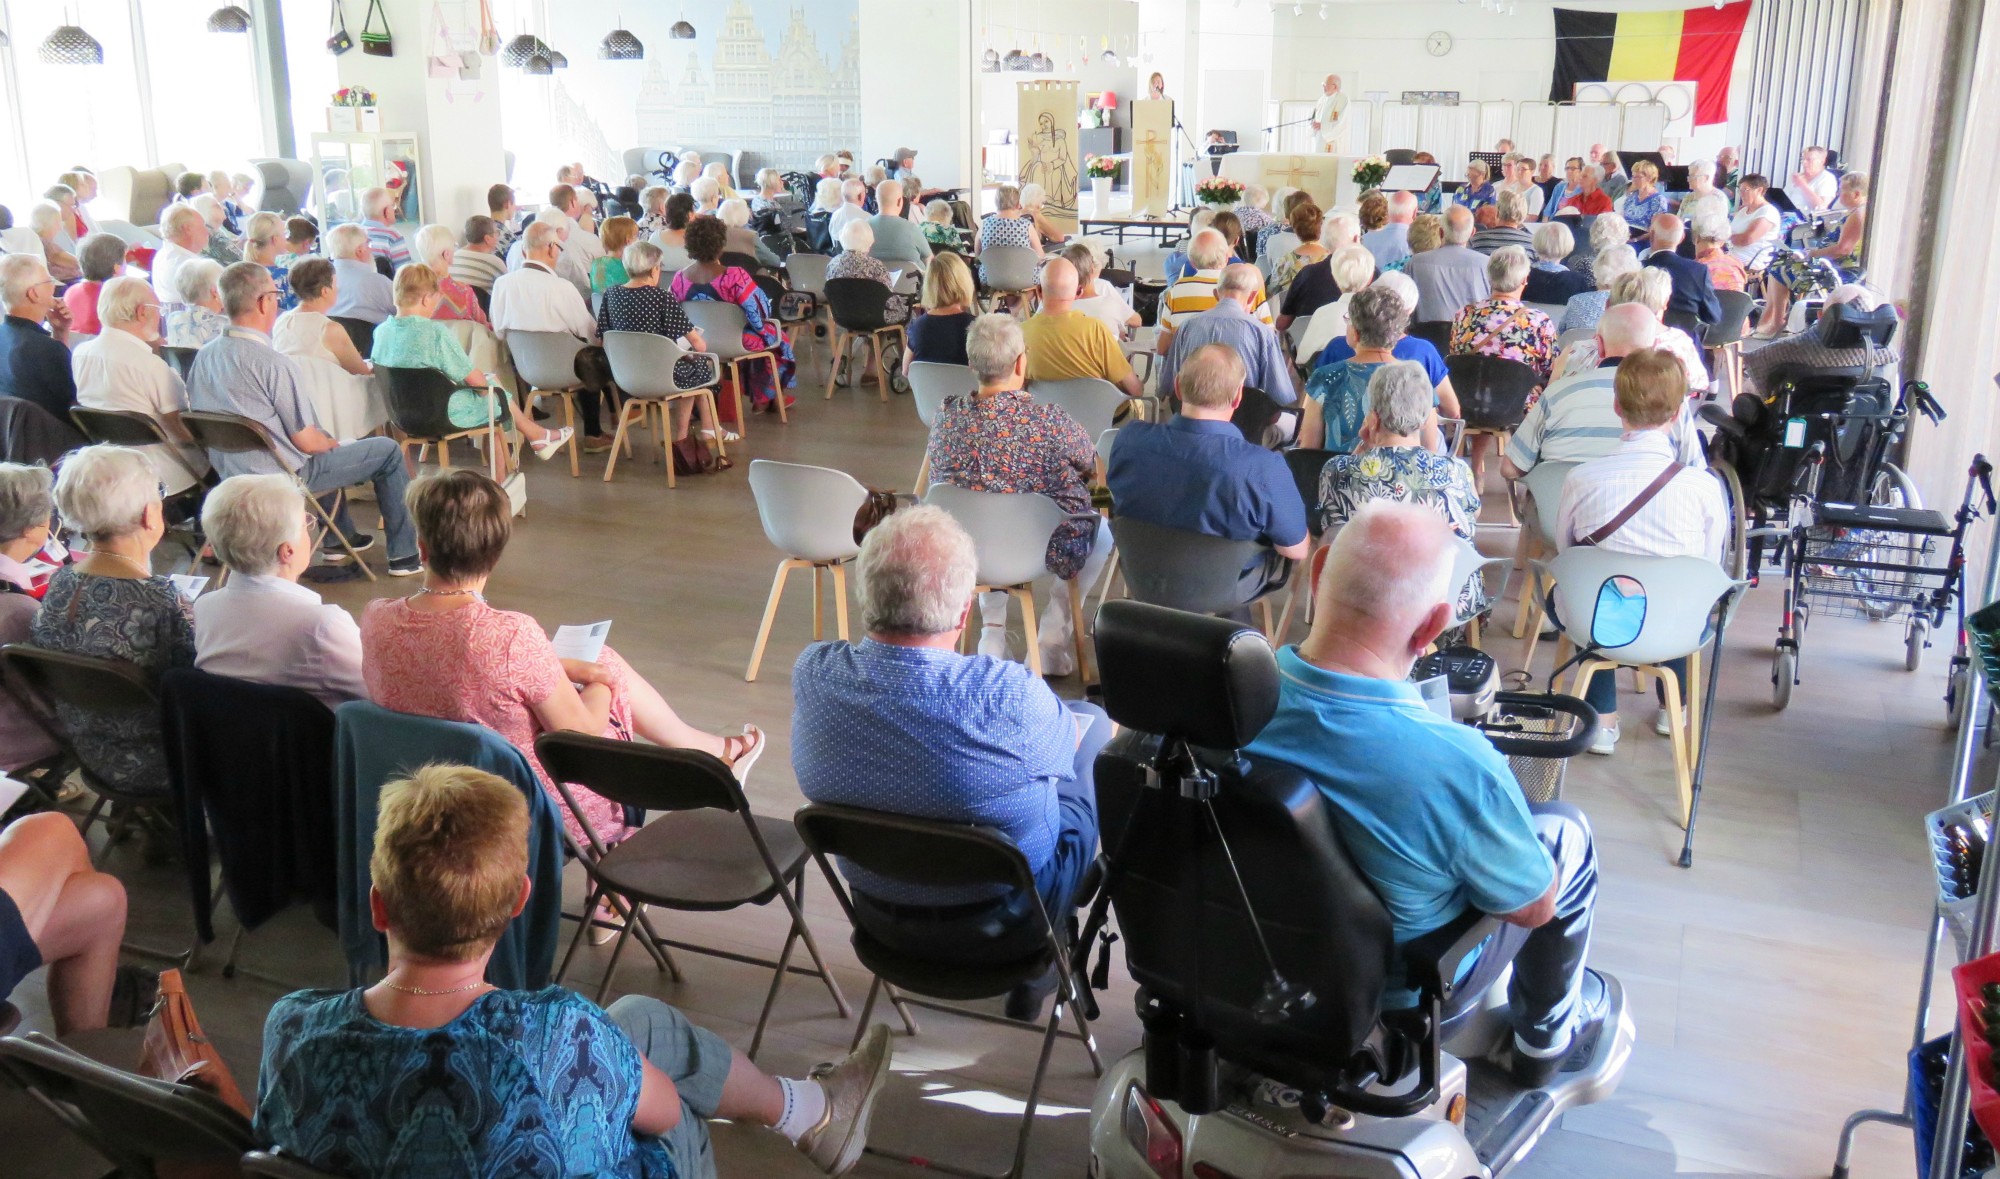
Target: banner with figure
(1047, 147)
(1152, 156)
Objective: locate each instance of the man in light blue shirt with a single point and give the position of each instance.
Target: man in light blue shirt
(1232, 323)
(1427, 808)
(360, 290)
(901, 722)
(1391, 243)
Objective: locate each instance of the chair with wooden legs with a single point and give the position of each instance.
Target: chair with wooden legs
(721, 326)
(808, 515)
(807, 272)
(417, 399)
(930, 384)
(1011, 533)
(1469, 569)
(642, 366)
(860, 310)
(546, 364)
(1541, 492)
(228, 433)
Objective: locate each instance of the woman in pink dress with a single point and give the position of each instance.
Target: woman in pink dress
(445, 652)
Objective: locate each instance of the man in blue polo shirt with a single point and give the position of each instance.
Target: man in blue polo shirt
(1198, 473)
(1427, 808)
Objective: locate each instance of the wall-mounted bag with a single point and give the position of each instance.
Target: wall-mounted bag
(374, 43)
(337, 41)
(445, 61)
(489, 33)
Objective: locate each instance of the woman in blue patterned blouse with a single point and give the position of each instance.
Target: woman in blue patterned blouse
(1644, 200)
(435, 1072)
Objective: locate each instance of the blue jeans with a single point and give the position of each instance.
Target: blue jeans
(1545, 992)
(695, 1059)
(368, 460)
(1602, 693)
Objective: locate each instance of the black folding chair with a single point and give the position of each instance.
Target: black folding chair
(930, 853)
(129, 427)
(228, 433)
(87, 686)
(707, 853)
(182, 359)
(418, 401)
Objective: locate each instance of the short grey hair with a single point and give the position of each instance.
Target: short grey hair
(853, 191)
(240, 286)
(916, 572)
(1712, 228)
(539, 236)
(992, 344)
(1609, 229)
(735, 212)
(247, 517)
(705, 190)
(45, 217)
(27, 500)
(346, 241)
(196, 278)
(1507, 269)
(1613, 263)
(1033, 196)
(430, 244)
(1378, 316)
(103, 491)
(641, 259)
(826, 194)
(1006, 197)
(1211, 377)
(1239, 278)
(100, 255)
(857, 235)
(210, 208)
(1080, 255)
(119, 300)
(1340, 228)
(1649, 285)
(1702, 167)
(1458, 225)
(1401, 396)
(1553, 241)
(766, 177)
(178, 217)
(1208, 250)
(654, 198)
(1353, 267)
(1512, 206)
(19, 274)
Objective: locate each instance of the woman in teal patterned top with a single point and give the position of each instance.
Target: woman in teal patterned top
(414, 340)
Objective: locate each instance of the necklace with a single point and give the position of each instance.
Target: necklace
(428, 993)
(452, 593)
(108, 555)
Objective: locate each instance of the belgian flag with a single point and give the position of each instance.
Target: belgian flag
(1688, 45)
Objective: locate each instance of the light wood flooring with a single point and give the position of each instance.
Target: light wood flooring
(1772, 983)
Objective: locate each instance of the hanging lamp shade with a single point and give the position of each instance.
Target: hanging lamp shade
(620, 45)
(558, 59)
(517, 52)
(538, 66)
(682, 31)
(70, 45)
(992, 59)
(229, 19)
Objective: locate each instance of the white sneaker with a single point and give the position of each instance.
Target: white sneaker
(993, 641)
(1607, 739)
(548, 447)
(1662, 724)
(1058, 660)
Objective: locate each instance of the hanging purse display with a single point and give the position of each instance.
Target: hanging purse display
(445, 60)
(337, 41)
(373, 43)
(489, 33)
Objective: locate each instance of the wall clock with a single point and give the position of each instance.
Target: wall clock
(1439, 43)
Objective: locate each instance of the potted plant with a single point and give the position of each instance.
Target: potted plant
(1220, 191)
(353, 109)
(1102, 170)
(1370, 171)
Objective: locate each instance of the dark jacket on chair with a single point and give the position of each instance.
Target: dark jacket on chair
(31, 434)
(1693, 292)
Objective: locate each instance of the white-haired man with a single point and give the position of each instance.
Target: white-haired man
(898, 241)
(1451, 276)
(1231, 322)
(119, 370)
(1431, 814)
(853, 207)
(570, 265)
(536, 297)
(1391, 243)
(378, 219)
(1694, 290)
(1576, 417)
(1812, 188)
(1329, 117)
(364, 293)
(34, 359)
(1065, 344)
(1208, 252)
(186, 234)
(901, 722)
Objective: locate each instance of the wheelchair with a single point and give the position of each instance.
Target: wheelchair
(1264, 957)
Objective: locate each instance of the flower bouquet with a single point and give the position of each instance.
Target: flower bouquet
(1370, 171)
(1219, 190)
(353, 109)
(1100, 167)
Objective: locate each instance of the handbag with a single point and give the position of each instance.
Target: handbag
(445, 61)
(693, 457)
(373, 43)
(337, 41)
(876, 508)
(489, 34)
(177, 1050)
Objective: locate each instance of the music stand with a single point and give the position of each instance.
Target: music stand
(1783, 200)
(1410, 178)
(1628, 158)
(1674, 178)
(1492, 160)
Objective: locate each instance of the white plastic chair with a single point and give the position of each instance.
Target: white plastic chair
(1468, 564)
(642, 364)
(1011, 533)
(721, 326)
(1010, 269)
(546, 364)
(808, 514)
(1680, 595)
(1091, 402)
(1543, 486)
(930, 384)
(807, 272)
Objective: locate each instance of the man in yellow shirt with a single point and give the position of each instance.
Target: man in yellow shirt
(1065, 344)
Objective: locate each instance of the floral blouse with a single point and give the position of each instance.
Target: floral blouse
(1007, 442)
(1639, 211)
(189, 326)
(1725, 272)
(1401, 474)
(1507, 328)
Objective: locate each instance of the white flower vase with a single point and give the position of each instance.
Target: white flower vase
(1100, 192)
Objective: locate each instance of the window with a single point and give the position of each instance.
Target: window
(205, 109)
(75, 114)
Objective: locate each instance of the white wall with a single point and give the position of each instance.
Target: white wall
(914, 75)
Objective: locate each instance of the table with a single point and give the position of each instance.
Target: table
(1164, 229)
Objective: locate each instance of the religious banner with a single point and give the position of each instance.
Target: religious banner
(1046, 143)
(1152, 156)
(1317, 175)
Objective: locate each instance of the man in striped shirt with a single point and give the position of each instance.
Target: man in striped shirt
(1208, 253)
(1576, 418)
(378, 217)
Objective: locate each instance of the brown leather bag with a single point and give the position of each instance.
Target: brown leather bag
(875, 509)
(176, 1049)
(693, 457)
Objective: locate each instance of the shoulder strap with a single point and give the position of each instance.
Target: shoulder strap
(1630, 510)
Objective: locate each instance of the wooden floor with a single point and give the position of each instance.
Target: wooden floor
(1772, 983)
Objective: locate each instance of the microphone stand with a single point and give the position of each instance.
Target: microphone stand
(1194, 154)
(1282, 126)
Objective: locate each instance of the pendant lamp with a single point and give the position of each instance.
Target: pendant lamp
(682, 30)
(620, 45)
(229, 19)
(538, 66)
(558, 59)
(70, 45)
(517, 52)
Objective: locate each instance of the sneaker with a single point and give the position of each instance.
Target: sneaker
(1662, 724)
(852, 1086)
(406, 566)
(1607, 739)
(596, 444)
(546, 449)
(1534, 1067)
(993, 641)
(751, 752)
(333, 550)
(1058, 659)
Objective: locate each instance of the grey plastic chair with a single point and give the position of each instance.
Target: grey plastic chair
(1011, 533)
(1091, 402)
(1680, 596)
(1541, 491)
(1186, 570)
(1553, 310)
(1469, 564)
(930, 384)
(1007, 270)
(721, 326)
(808, 515)
(1725, 337)
(1572, 336)
(807, 272)
(642, 364)
(546, 364)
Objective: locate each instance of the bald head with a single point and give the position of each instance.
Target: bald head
(1385, 592)
(1667, 231)
(1208, 250)
(1625, 329)
(1458, 225)
(1403, 207)
(1058, 284)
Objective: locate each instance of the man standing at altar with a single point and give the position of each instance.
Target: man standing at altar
(1329, 119)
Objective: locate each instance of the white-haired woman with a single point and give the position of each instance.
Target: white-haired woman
(1009, 224)
(110, 605)
(222, 245)
(1711, 249)
(1501, 324)
(827, 200)
(725, 188)
(1703, 198)
(262, 625)
(735, 214)
(27, 507)
(653, 209)
(707, 194)
(1549, 281)
(856, 239)
(1606, 230)
(1034, 198)
(1352, 268)
(46, 220)
(643, 305)
(1177, 264)
(263, 242)
(196, 316)
(435, 246)
(1393, 463)
(1254, 210)
(1612, 264)
(1652, 287)
(770, 190)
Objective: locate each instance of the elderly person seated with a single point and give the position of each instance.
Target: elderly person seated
(609, 271)
(901, 722)
(1807, 351)
(572, 210)
(653, 209)
(1198, 473)
(1589, 198)
(571, 265)
(1096, 296)
(1001, 439)
(940, 228)
(674, 217)
(1649, 287)
(1703, 198)
(1711, 249)
(46, 220)
(186, 236)
(1518, 177)
(437, 247)
(1576, 417)
(1432, 813)
(120, 371)
(1230, 323)
(1352, 269)
(1812, 187)
(938, 335)
(735, 216)
(897, 238)
(1034, 199)
(856, 260)
(263, 243)
(1194, 292)
(1451, 276)
(686, 173)
(1501, 324)
(1798, 274)
(1406, 347)
(1230, 226)
(262, 625)
(1337, 392)
(536, 299)
(1611, 264)
(223, 246)
(1549, 281)
(725, 189)
(101, 257)
(301, 241)
(1477, 191)
(1756, 228)
(111, 606)
(379, 213)
(34, 360)
(1393, 464)
(819, 218)
(308, 330)
(771, 193)
(1693, 293)
(416, 339)
(1611, 177)
(55, 909)
(1643, 200)
(1686, 517)
(1007, 225)
(27, 511)
(1506, 229)
(643, 305)
(1314, 286)
(196, 316)
(1254, 211)
(479, 263)
(1604, 231)
(1391, 243)
(540, 1082)
(706, 277)
(853, 207)
(1306, 221)
(446, 653)
(1178, 265)
(1065, 344)
(364, 293)
(69, 227)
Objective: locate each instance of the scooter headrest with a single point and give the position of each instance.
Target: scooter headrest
(1845, 325)
(1207, 681)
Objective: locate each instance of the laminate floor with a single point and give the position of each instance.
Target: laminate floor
(1772, 982)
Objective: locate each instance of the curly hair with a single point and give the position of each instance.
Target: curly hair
(680, 207)
(706, 238)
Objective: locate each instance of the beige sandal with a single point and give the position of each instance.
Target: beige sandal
(742, 752)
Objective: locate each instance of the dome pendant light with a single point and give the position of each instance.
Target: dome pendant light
(620, 45)
(517, 52)
(70, 45)
(229, 19)
(682, 30)
(558, 59)
(538, 66)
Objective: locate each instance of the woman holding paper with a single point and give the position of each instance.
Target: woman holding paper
(444, 652)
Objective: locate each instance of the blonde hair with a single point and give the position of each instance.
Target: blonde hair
(619, 232)
(1644, 170)
(451, 849)
(947, 282)
(1651, 388)
(415, 283)
(1426, 233)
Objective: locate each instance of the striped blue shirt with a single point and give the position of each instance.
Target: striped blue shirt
(1576, 419)
(387, 242)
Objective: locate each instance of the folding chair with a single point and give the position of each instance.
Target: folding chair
(85, 685)
(229, 433)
